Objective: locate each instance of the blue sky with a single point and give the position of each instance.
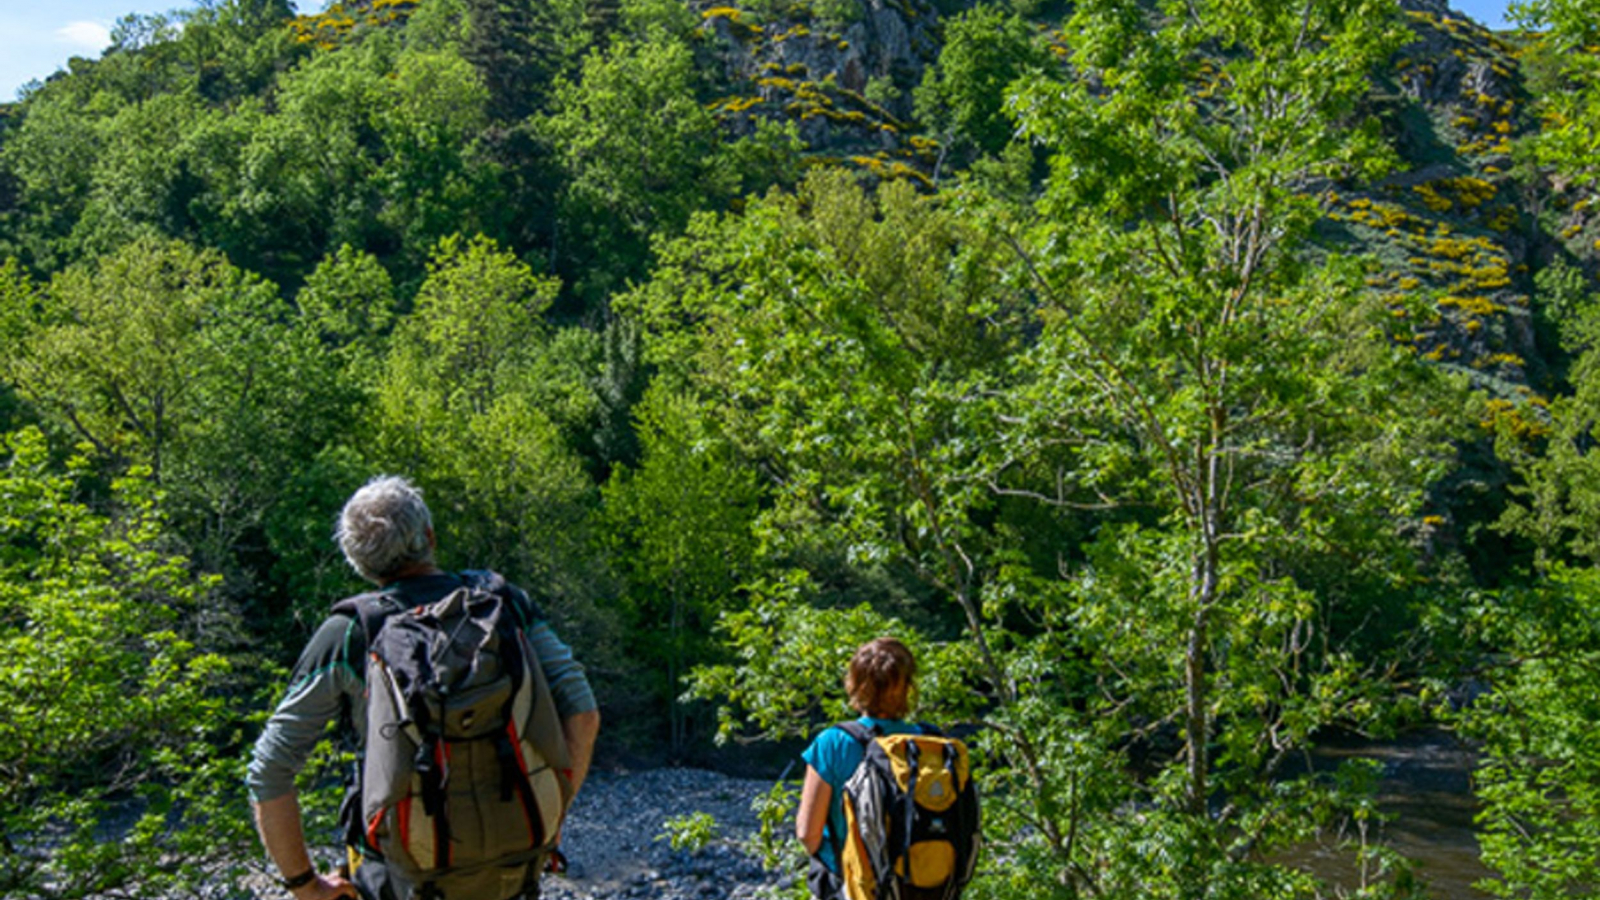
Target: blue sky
(37, 37)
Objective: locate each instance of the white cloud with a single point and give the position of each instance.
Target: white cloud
(88, 36)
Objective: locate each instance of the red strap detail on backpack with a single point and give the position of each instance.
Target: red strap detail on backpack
(441, 756)
(372, 828)
(516, 747)
(522, 765)
(404, 815)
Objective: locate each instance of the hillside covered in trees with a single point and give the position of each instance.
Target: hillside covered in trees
(1189, 383)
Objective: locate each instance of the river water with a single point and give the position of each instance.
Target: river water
(1426, 788)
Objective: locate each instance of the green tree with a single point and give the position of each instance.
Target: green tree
(963, 98)
(350, 302)
(519, 49)
(432, 106)
(1185, 337)
(372, 146)
(481, 404)
(50, 157)
(1245, 405)
(346, 311)
(112, 713)
(680, 529)
(844, 342)
(169, 357)
(640, 153)
(1570, 28)
(1539, 779)
(487, 407)
(140, 141)
(838, 334)
(143, 182)
(233, 48)
(640, 18)
(113, 349)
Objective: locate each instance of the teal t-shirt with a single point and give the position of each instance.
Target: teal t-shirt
(835, 756)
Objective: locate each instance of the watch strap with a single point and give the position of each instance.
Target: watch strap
(299, 881)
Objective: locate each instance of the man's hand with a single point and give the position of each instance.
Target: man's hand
(326, 887)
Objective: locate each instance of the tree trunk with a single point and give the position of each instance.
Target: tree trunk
(1198, 727)
(1198, 724)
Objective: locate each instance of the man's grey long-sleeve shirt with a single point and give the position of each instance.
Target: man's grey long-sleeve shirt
(332, 671)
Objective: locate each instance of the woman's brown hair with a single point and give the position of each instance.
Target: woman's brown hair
(879, 678)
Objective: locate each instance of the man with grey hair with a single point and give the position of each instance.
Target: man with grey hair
(386, 534)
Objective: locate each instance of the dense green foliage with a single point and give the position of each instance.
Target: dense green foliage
(1131, 360)
(111, 707)
(1540, 775)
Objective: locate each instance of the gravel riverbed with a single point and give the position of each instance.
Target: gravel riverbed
(612, 840)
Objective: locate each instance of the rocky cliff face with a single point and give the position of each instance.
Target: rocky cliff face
(1459, 223)
(1451, 223)
(846, 84)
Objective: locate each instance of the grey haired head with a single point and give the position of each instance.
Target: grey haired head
(385, 528)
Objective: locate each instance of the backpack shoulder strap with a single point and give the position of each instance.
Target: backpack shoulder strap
(369, 610)
(861, 733)
(928, 730)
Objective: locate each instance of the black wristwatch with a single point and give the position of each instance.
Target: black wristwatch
(299, 881)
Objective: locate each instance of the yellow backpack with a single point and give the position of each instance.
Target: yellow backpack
(911, 817)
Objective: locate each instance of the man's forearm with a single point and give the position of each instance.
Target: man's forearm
(278, 820)
(581, 729)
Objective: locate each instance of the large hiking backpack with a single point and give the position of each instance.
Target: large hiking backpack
(911, 817)
(463, 779)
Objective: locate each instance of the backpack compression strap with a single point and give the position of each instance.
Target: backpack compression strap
(966, 814)
(507, 743)
(900, 845)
